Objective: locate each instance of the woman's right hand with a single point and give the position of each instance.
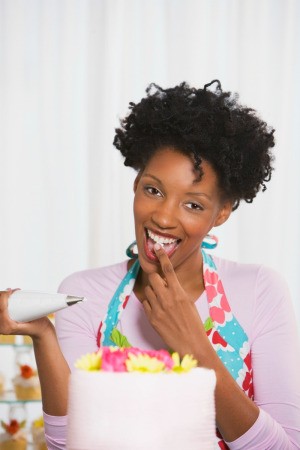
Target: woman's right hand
(35, 328)
(52, 367)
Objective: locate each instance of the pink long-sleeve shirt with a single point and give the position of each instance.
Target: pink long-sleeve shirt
(259, 299)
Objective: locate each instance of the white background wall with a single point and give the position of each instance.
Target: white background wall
(68, 69)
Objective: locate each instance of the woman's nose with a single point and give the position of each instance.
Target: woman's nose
(165, 215)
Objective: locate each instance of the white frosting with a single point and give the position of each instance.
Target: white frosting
(21, 434)
(26, 382)
(141, 411)
(4, 436)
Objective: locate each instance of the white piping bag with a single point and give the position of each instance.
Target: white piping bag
(24, 306)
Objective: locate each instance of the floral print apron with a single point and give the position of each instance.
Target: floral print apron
(224, 332)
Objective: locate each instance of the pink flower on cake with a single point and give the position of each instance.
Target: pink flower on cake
(113, 359)
(163, 356)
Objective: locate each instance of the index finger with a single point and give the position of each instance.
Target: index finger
(166, 265)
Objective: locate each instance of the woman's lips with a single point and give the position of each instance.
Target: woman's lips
(149, 243)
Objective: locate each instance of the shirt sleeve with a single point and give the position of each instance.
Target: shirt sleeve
(266, 433)
(55, 431)
(276, 366)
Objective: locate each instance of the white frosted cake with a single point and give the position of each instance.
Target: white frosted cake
(141, 411)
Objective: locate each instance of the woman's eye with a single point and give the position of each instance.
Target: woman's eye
(194, 206)
(152, 191)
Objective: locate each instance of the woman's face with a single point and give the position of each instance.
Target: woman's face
(175, 209)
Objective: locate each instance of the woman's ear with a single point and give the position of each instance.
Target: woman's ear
(224, 214)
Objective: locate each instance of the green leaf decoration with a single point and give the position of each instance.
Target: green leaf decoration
(119, 339)
(208, 324)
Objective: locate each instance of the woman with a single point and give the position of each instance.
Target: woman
(197, 153)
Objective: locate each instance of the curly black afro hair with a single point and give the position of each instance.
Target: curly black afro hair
(203, 124)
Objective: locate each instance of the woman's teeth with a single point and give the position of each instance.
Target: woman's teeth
(169, 245)
(159, 239)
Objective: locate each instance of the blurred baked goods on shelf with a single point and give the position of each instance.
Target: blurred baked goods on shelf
(27, 340)
(13, 436)
(27, 384)
(38, 434)
(7, 339)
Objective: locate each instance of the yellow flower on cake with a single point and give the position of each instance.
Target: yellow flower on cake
(144, 363)
(89, 362)
(185, 365)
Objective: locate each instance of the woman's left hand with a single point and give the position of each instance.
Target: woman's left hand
(170, 311)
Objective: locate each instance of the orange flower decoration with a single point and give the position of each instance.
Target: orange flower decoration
(26, 371)
(13, 426)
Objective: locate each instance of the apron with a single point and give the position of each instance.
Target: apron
(224, 332)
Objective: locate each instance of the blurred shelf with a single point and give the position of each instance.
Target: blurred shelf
(15, 345)
(14, 351)
(15, 341)
(10, 397)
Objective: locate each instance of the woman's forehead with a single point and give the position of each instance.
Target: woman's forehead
(171, 158)
(171, 165)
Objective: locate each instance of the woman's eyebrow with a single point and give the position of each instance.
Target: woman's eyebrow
(199, 194)
(152, 176)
